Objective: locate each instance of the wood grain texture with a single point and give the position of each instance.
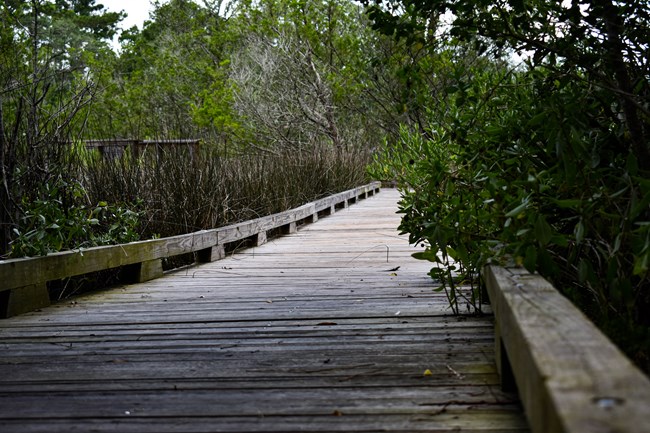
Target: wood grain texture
(316, 331)
(571, 378)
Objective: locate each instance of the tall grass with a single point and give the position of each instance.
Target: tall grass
(178, 193)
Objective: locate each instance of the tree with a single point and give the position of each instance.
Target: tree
(160, 79)
(598, 41)
(43, 89)
(299, 73)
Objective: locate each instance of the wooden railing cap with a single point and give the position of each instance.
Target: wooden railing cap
(570, 377)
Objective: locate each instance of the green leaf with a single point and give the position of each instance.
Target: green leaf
(530, 258)
(560, 240)
(584, 270)
(579, 231)
(617, 243)
(543, 231)
(538, 119)
(641, 265)
(567, 204)
(632, 165)
(519, 209)
(522, 232)
(425, 255)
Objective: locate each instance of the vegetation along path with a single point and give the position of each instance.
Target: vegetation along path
(316, 331)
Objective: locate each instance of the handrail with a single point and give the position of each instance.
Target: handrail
(570, 377)
(23, 281)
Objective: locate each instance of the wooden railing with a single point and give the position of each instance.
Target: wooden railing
(570, 377)
(23, 282)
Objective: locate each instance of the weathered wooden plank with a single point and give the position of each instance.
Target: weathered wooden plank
(437, 421)
(247, 229)
(571, 378)
(16, 272)
(274, 339)
(487, 381)
(281, 402)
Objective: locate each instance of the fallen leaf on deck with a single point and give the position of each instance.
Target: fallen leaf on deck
(427, 372)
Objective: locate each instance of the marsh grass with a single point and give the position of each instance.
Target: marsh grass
(176, 192)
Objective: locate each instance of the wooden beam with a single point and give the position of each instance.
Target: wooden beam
(571, 378)
(259, 239)
(211, 254)
(290, 228)
(23, 299)
(143, 271)
(22, 272)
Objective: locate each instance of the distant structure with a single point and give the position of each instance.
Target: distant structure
(114, 148)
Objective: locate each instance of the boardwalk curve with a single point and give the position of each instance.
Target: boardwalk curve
(316, 331)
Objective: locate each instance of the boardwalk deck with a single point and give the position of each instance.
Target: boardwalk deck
(309, 332)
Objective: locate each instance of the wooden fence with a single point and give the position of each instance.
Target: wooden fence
(24, 281)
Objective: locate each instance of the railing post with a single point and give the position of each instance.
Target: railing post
(23, 299)
(506, 376)
(260, 238)
(144, 271)
(211, 254)
(289, 228)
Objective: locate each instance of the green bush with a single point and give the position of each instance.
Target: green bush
(531, 171)
(59, 220)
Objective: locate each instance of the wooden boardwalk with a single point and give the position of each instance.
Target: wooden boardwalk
(309, 332)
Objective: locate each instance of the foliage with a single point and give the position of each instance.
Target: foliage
(174, 78)
(44, 85)
(447, 203)
(546, 165)
(58, 222)
(297, 73)
(161, 76)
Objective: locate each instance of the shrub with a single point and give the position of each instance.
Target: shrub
(60, 220)
(532, 172)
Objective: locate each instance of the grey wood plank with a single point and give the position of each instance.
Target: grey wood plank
(310, 332)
